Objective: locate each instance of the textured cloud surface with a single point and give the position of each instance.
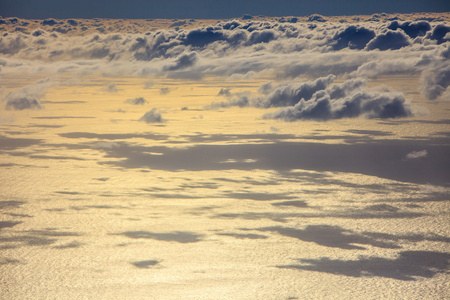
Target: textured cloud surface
(251, 48)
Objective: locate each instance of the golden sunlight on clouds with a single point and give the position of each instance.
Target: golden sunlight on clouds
(235, 159)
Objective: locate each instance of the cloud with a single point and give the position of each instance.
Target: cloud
(152, 116)
(353, 37)
(225, 92)
(412, 29)
(389, 40)
(438, 33)
(319, 100)
(436, 80)
(182, 62)
(202, 36)
(111, 88)
(149, 84)
(29, 96)
(417, 154)
(316, 18)
(242, 101)
(166, 90)
(22, 101)
(136, 101)
(49, 22)
(232, 49)
(290, 94)
(362, 103)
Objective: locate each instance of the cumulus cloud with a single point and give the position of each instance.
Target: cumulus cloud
(320, 100)
(234, 49)
(136, 101)
(412, 29)
(417, 154)
(182, 62)
(152, 116)
(435, 81)
(362, 103)
(316, 18)
(438, 33)
(389, 40)
(290, 94)
(29, 96)
(353, 37)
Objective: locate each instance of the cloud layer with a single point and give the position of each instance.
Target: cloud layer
(283, 49)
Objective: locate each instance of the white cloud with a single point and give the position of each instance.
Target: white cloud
(417, 154)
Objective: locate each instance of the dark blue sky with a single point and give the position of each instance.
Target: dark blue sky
(209, 9)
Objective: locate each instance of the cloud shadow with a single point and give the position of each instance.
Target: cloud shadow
(407, 266)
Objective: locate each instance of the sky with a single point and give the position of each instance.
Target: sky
(206, 9)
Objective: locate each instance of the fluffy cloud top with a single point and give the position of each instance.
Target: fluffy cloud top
(285, 49)
(389, 40)
(319, 100)
(353, 37)
(366, 103)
